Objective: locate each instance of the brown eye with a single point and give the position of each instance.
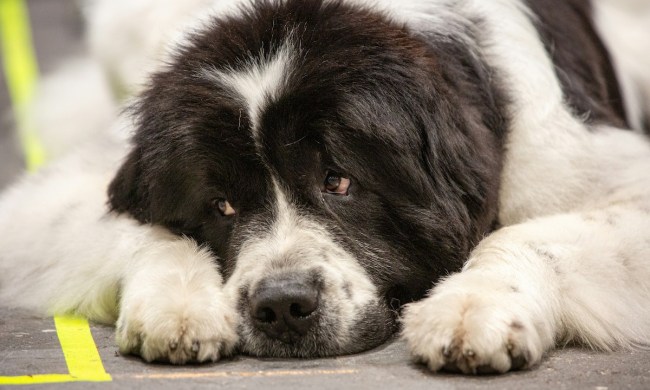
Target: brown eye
(336, 184)
(223, 207)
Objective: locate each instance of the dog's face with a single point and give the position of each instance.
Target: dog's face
(336, 164)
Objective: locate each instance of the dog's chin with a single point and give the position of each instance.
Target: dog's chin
(332, 336)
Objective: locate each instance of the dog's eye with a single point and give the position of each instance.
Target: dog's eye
(336, 184)
(223, 207)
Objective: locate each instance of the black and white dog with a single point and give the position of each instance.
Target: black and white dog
(300, 169)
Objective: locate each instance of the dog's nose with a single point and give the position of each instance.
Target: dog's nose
(285, 307)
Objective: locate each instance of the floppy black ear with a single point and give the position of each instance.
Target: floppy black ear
(465, 136)
(128, 192)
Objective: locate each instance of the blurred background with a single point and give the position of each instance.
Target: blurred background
(57, 29)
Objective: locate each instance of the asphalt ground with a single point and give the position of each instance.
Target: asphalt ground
(29, 344)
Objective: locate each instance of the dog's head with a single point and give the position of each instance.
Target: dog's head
(337, 163)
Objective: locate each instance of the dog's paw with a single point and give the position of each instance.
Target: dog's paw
(174, 310)
(178, 333)
(474, 331)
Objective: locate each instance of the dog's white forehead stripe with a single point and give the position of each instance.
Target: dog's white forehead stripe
(258, 83)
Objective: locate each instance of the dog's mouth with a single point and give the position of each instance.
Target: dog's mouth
(325, 337)
(294, 317)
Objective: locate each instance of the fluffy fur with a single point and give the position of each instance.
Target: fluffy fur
(470, 132)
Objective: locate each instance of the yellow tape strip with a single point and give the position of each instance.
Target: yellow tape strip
(21, 73)
(36, 379)
(81, 356)
(79, 349)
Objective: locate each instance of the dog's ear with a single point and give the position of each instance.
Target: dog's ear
(128, 192)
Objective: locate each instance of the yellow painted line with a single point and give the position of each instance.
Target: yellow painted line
(245, 374)
(21, 73)
(36, 379)
(79, 349)
(81, 356)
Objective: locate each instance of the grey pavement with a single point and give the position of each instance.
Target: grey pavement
(29, 346)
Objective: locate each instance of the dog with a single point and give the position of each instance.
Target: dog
(306, 177)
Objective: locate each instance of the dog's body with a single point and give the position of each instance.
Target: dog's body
(342, 157)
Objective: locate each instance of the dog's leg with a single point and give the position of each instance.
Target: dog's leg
(172, 306)
(63, 252)
(578, 277)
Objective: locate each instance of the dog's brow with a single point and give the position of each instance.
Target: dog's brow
(258, 84)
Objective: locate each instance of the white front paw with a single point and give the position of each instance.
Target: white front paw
(174, 310)
(475, 330)
(182, 331)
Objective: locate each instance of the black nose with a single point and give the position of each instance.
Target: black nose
(285, 307)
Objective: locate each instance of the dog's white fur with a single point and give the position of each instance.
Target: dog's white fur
(623, 25)
(573, 264)
(259, 84)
